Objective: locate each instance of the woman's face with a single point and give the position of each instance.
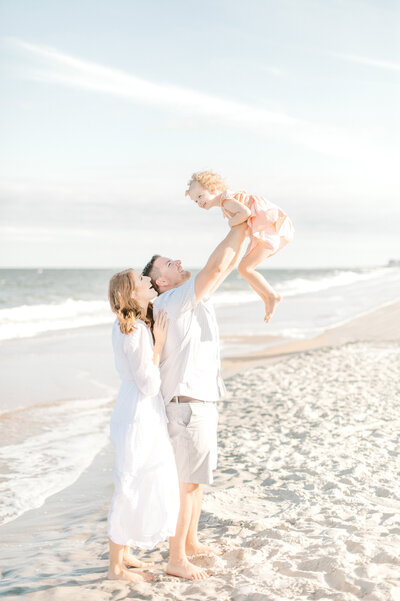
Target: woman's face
(144, 291)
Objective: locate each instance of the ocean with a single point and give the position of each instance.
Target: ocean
(34, 301)
(45, 446)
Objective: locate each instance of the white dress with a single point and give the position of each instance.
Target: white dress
(145, 505)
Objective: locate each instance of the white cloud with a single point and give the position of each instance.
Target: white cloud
(91, 76)
(24, 234)
(66, 70)
(368, 61)
(273, 71)
(17, 233)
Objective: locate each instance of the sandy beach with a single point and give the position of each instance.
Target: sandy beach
(306, 498)
(246, 151)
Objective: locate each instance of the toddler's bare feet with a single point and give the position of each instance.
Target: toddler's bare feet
(124, 574)
(270, 304)
(185, 569)
(199, 549)
(133, 562)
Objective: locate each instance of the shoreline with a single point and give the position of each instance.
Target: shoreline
(78, 363)
(382, 323)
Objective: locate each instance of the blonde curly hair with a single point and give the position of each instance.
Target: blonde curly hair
(208, 180)
(127, 310)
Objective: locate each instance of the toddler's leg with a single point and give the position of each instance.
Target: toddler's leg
(247, 270)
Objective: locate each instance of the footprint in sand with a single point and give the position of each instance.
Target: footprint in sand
(354, 546)
(385, 557)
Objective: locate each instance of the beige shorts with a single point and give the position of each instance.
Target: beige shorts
(192, 429)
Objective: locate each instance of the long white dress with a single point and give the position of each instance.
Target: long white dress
(145, 505)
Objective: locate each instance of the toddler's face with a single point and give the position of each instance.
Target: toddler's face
(202, 196)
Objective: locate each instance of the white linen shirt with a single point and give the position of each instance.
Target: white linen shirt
(190, 362)
(140, 378)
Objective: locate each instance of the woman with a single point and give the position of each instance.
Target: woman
(145, 505)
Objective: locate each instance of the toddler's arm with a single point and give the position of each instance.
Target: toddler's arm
(238, 211)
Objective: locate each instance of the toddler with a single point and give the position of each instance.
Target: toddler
(269, 228)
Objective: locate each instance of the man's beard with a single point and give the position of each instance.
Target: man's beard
(182, 277)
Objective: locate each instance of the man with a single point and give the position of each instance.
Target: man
(191, 384)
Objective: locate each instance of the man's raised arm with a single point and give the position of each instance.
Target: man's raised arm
(220, 262)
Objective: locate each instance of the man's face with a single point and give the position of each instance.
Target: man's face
(171, 273)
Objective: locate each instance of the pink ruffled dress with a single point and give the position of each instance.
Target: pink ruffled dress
(267, 223)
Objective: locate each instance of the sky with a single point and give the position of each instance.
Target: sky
(107, 108)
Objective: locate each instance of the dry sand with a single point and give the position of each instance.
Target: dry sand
(306, 499)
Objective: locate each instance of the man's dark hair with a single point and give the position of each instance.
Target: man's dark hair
(148, 271)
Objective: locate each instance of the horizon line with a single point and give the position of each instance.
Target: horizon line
(199, 267)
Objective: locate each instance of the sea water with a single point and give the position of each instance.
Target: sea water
(34, 301)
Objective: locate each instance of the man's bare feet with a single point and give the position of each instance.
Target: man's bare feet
(270, 304)
(185, 569)
(124, 574)
(133, 562)
(199, 549)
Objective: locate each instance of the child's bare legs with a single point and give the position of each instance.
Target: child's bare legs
(247, 270)
(117, 569)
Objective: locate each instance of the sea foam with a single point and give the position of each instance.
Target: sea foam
(67, 437)
(29, 320)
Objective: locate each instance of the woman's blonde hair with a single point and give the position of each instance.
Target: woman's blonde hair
(208, 180)
(127, 310)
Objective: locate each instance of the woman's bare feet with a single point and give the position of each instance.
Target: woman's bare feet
(133, 562)
(199, 549)
(119, 573)
(185, 569)
(270, 304)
